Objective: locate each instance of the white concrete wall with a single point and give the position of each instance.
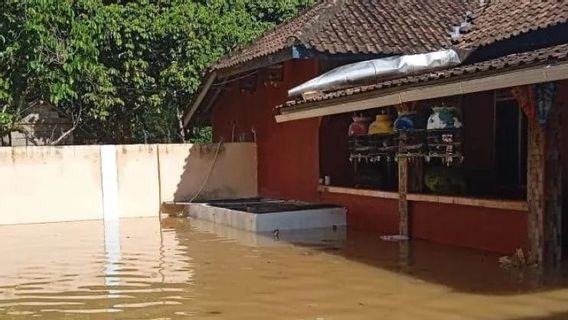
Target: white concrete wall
(184, 169)
(45, 184)
(138, 180)
(51, 184)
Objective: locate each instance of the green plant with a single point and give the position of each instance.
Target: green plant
(202, 135)
(125, 69)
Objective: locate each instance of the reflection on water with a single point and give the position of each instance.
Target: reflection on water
(144, 269)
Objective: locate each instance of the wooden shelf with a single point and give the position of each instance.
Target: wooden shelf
(474, 202)
(520, 206)
(359, 192)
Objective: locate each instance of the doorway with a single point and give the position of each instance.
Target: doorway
(510, 149)
(565, 211)
(563, 117)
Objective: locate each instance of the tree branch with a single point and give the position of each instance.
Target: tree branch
(76, 121)
(64, 135)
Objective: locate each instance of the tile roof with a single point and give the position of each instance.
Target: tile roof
(281, 37)
(503, 19)
(519, 60)
(362, 27)
(388, 26)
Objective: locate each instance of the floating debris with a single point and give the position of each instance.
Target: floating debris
(517, 261)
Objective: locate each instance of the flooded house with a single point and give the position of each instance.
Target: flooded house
(438, 120)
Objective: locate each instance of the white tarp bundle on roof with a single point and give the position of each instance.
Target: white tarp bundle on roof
(376, 70)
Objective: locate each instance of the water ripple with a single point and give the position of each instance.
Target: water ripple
(183, 269)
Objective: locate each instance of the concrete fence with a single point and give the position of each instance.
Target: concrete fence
(71, 183)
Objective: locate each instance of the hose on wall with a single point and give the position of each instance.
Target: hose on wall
(204, 183)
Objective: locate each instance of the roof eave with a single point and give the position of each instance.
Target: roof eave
(197, 102)
(289, 53)
(284, 54)
(224, 73)
(428, 90)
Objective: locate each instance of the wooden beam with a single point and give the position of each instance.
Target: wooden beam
(429, 90)
(520, 206)
(200, 97)
(360, 192)
(257, 63)
(512, 205)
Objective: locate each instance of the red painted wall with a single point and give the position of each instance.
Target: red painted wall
(488, 229)
(367, 213)
(288, 157)
(288, 168)
(493, 230)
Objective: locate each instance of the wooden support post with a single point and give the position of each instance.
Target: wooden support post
(410, 179)
(405, 255)
(403, 211)
(544, 193)
(403, 191)
(553, 192)
(535, 192)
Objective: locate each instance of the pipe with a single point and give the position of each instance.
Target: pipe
(372, 71)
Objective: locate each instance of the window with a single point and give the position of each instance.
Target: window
(483, 153)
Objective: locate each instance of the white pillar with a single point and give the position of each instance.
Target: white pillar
(111, 214)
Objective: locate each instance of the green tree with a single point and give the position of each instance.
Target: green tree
(49, 50)
(123, 70)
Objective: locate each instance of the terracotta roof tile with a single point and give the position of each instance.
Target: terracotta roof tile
(362, 26)
(278, 38)
(545, 55)
(503, 19)
(400, 27)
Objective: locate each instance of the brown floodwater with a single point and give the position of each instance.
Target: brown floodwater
(177, 269)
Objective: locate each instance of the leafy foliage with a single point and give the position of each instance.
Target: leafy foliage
(202, 135)
(6, 123)
(126, 69)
